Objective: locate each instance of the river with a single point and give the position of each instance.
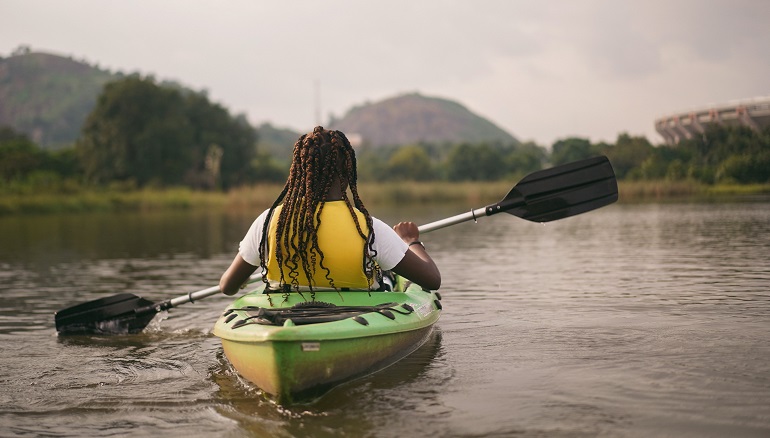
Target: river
(630, 321)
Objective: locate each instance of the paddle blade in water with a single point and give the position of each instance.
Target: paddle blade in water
(110, 315)
(561, 191)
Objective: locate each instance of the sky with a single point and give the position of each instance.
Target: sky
(541, 70)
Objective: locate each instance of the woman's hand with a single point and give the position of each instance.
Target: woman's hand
(407, 231)
(416, 265)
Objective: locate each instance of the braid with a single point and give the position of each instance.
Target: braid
(368, 264)
(319, 159)
(263, 238)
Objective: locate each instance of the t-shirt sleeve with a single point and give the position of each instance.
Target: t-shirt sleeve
(249, 246)
(390, 248)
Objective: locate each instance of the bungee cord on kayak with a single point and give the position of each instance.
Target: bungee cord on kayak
(313, 313)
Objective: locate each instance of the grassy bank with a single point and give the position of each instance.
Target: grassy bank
(386, 193)
(104, 200)
(244, 198)
(644, 191)
(391, 193)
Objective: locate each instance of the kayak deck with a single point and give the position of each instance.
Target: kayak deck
(295, 349)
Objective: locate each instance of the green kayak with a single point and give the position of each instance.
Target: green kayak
(296, 347)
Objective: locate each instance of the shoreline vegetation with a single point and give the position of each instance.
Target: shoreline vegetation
(182, 152)
(261, 196)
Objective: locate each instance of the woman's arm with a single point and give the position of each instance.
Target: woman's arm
(235, 276)
(416, 265)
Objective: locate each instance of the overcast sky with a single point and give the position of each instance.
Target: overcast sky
(542, 70)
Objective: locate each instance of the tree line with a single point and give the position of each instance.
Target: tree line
(144, 134)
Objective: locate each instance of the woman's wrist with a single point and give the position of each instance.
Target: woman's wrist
(417, 242)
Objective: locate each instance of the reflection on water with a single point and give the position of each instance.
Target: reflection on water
(58, 239)
(634, 320)
(354, 409)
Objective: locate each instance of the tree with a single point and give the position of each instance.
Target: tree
(264, 167)
(525, 158)
(479, 162)
(150, 134)
(628, 154)
(746, 169)
(212, 126)
(18, 155)
(137, 131)
(727, 153)
(410, 163)
(571, 149)
(370, 164)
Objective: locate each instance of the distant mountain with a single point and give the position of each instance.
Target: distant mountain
(47, 96)
(414, 118)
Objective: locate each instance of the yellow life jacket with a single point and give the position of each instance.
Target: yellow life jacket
(342, 246)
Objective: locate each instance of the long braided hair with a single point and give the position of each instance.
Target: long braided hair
(320, 159)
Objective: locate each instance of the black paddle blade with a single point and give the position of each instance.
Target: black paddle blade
(122, 313)
(561, 191)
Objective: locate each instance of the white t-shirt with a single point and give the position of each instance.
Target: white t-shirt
(389, 246)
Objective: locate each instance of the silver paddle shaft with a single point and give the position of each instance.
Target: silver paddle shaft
(199, 295)
(463, 217)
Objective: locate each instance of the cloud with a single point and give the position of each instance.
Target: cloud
(542, 70)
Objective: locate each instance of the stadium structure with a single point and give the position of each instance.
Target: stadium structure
(753, 113)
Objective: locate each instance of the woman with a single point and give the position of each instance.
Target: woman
(314, 238)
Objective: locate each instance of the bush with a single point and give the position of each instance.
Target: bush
(746, 169)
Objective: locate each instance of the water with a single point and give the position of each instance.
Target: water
(634, 320)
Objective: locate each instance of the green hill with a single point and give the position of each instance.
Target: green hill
(47, 96)
(414, 118)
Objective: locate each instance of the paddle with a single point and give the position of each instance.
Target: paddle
(122, 313)
(550, 194)
(542, 196)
